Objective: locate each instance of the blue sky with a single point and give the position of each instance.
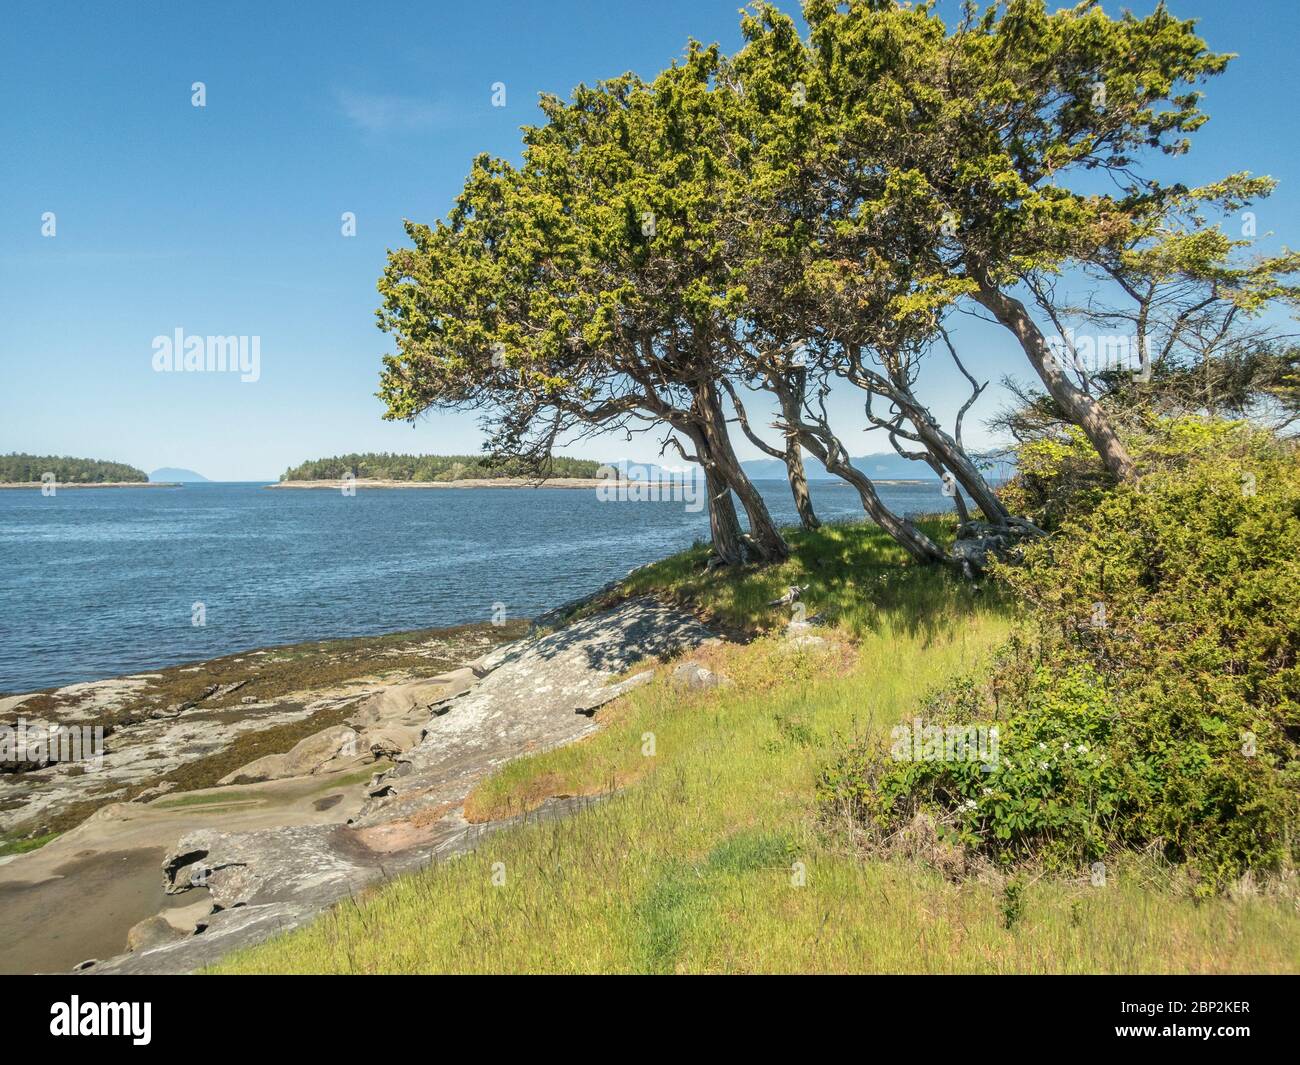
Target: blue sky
(226, 219)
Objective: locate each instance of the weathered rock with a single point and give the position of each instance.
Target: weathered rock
(607, 695)
(143, 752)
(306, 757)
(389, 741)
(12, 702)
(412, 701)
(695, 677)
(151, 932)
(149, 794)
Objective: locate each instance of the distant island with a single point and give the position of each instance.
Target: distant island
(175, 474)
(432, 469)
(21, 469)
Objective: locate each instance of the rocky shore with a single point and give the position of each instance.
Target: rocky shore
(356, 779)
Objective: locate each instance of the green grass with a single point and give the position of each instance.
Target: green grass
(22, 846)
(709, 857)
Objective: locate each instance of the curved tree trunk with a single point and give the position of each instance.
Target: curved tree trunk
(799, 484)
(764, 536)
(724, 523)
(912, 539)
(1079, 407)
(944, 448)
(791, 399)
(791, 456)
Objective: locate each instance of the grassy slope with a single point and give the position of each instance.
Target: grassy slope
(691, 868)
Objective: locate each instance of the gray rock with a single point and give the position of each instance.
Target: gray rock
(149, 794)
(413, 700)
(389, 741)
(695, 677)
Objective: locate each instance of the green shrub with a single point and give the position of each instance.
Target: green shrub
(1155, 702)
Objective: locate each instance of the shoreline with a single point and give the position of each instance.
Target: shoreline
(343, 764)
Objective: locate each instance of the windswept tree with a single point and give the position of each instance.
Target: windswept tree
(586, 290)
(832, 289)
(1177, 318)
(984, 143)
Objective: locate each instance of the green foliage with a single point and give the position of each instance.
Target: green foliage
(1054, 474)
(16, 468)
(432, 468)
(1156, 703)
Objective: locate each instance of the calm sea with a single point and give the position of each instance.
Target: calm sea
(100, 582)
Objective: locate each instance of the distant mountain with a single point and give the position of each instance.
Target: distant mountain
(175, 473)
(884, 466)
(630, 469)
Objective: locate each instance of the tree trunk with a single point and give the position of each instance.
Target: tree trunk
(799, 484)
(1078, 406)
(724, 523)
(967, 475)
(790, 395)
(764, 536)
(912, 539)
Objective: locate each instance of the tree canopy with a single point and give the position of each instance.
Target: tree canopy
(810, 212)
(17, 468)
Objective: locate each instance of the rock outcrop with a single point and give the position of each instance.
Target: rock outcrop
(306, 757)
(264, 882)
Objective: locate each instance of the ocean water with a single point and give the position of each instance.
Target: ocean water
(96, 583)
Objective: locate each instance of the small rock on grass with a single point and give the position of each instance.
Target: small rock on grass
(695, 677)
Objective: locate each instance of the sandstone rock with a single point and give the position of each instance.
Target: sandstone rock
(188, 919)
(268, 881)
(410, 702)
(12, 702)
(388, 741)
(149, 794)
(151, 932)
(308, 756)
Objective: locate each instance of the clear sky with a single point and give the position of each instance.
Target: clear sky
(226, 219)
